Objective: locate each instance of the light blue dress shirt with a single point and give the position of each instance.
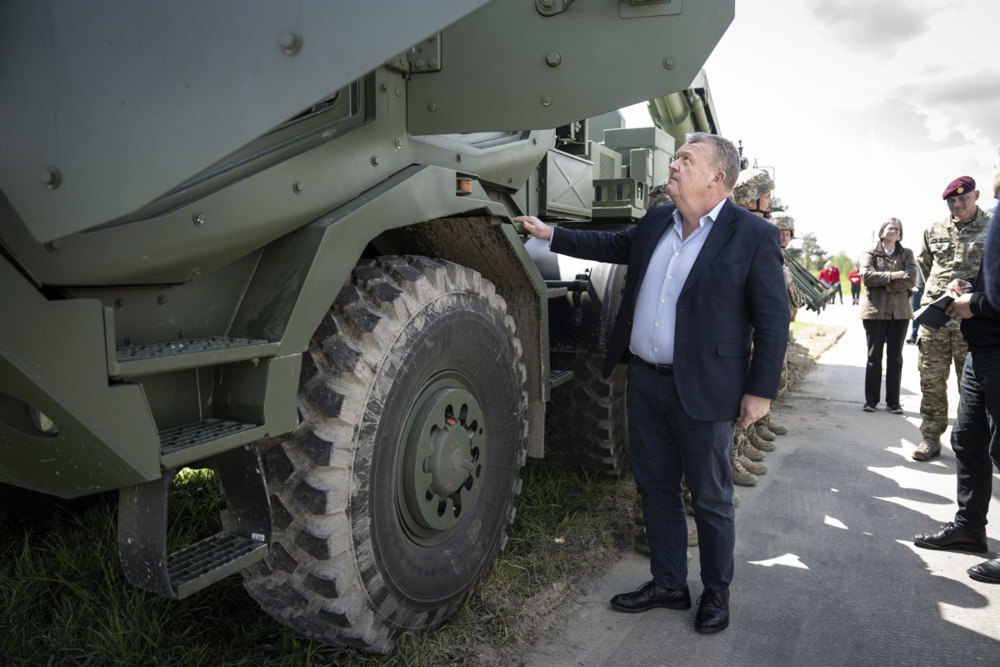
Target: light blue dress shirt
(655, 315)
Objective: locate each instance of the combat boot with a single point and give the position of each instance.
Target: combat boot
(741, 476)
(763, 431)
(758, 442)
(927, 449)
(752, 453)
(776, 428)
(640, 543)
(752, 467)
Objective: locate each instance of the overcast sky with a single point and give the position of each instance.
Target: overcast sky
(865, 108)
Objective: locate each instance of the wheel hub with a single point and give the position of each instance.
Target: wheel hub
(440, 465)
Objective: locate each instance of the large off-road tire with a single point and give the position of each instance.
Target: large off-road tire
(392, 498)
(585, 423)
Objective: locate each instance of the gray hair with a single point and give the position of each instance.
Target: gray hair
(897, 222)
(727, 157)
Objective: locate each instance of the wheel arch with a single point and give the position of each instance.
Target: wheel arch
(416, 211)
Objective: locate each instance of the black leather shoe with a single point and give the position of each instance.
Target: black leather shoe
(952, 537)
(988, 571)
(650, 595)
(713, 612)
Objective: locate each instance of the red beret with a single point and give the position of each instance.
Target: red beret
(959, 186)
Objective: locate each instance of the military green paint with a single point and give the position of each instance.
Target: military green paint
(53, 357)
(198, 85)
(495, 77)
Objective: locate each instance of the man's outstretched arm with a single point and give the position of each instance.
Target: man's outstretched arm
(610, 247)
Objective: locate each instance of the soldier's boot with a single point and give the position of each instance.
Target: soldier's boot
(693, 537)
(753, 467)
(775, 427)
(741, 475)
(764, 432)
(640, 542)
(758, 442)
(927, 449)
(752, 453)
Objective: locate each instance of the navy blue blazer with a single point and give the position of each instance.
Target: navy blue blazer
(735, 290)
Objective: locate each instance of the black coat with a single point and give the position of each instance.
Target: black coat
(736, 287)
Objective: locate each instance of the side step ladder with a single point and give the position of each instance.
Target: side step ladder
(244, 540)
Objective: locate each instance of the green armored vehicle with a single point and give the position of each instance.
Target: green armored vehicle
(274, 239)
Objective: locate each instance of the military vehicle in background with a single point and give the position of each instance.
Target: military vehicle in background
(280, 247)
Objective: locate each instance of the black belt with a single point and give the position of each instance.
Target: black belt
(662, 369)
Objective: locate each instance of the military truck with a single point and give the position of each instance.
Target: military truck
(273, 239)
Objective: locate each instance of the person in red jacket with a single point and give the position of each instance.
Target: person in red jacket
(835, 276)
(855, 279)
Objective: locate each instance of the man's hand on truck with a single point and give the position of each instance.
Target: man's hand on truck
(534, 226)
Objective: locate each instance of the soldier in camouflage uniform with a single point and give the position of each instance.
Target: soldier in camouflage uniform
(952, 249)
(786, 225)
(753, 191)
(658, 195)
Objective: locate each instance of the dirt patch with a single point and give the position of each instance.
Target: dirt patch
(807, 343)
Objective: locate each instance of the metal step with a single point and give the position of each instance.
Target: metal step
(139, 360)
(557, 378)
(245, 536)
(192, 442)
(203, 563)
(556, 292)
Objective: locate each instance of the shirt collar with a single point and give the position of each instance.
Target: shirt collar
(711, 216)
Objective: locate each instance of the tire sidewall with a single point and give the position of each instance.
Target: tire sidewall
(455, 332)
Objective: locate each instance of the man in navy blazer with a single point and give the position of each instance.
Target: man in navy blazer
(704, 288)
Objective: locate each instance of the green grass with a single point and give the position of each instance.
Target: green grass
(63, 598)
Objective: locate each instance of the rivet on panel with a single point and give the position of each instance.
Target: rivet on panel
(290, 42)
(382, 87)
(398, 143)
(458, 157)
(198, 219)
(119, 303)
(297, 187)
(669, 63)
(398, 91)
(552, 58)
(374, 160)
(196, 274)
(53, 245)
(51, 178)
(162, 299)
(432, 107)
(546, 101)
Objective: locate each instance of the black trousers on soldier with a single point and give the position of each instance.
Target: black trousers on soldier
(665, 445)
(974, 436)
(885, 335)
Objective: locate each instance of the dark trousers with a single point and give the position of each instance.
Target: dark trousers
(974, 436)
(840, 291)
(887, 335)
(666, 445)
(855, 293)
(915, 304)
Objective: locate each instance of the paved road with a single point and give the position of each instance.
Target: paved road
(826, 573)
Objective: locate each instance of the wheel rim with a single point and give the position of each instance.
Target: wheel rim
(439, 469)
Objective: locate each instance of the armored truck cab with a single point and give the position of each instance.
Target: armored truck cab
(274, 239)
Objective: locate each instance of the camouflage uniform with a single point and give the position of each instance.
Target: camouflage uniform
(950, 251)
